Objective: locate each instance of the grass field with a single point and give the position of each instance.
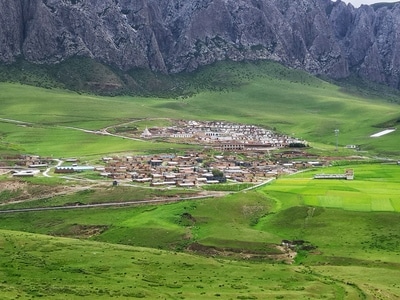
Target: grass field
(375, 188)
(56, 141)
(356, 254)
(356, 257)
(216, 248)
(56, 268)
(265, 95)
(47, 196)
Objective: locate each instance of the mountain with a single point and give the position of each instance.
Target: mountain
(172, 36)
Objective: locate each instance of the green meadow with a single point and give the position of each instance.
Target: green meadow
(265, 94)
(55, 268)
(226, 247)
(219, 247)
(59, 141)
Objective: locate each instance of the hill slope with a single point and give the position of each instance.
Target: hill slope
(56, 268)
(264, 94)
(231, 244)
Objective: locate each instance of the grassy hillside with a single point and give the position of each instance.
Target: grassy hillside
(243, 217)
(230, 244)
(264, 94)
(56, 268)
(227, 247)
(84, 75)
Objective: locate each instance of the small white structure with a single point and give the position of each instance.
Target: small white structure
(348, 175)
(146, 133)
(351, 146)
(26, 173)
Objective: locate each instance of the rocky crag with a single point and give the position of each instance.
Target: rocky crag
(171, 36)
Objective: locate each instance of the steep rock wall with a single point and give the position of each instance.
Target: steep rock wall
(170, 36)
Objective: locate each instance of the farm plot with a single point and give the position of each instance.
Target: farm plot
(375, 188)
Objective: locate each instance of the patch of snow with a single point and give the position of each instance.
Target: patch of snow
(384, 132)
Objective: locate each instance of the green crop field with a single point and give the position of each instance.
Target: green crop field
(226, 247)
(375, 188)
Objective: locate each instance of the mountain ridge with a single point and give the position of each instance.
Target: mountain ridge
(172, 36)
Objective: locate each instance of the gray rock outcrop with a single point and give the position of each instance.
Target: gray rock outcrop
(170, 36)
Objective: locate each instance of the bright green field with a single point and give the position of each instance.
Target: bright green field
(271, 96)
(375, 188)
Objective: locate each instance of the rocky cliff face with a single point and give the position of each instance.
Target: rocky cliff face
(320, 36)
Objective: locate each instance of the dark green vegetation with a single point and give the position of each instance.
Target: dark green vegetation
(84, 75)
(389, 5)
(217, 248)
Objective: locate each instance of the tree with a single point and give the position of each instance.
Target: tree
(217, 173)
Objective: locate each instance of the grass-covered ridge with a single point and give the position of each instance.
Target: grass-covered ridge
(84, 75)
(265, 94)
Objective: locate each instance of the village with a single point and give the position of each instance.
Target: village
(194, 169)
(221, 135)
(232, 153)
(191, 169)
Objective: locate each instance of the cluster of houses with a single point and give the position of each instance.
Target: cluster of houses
(24, 165)
(185, 170)
(195, 169)
(248, 157)
(25, 161)
(222, 135)
(188, 170)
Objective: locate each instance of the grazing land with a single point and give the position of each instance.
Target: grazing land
(56, 268)
(268, 95)
(292, 237)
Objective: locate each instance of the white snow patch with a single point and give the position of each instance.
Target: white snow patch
(386, 131)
